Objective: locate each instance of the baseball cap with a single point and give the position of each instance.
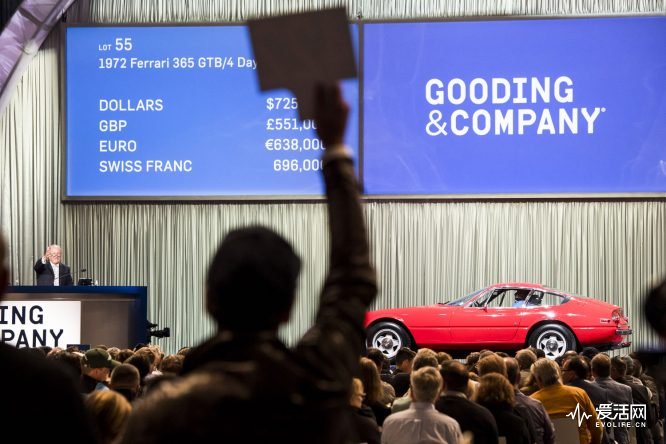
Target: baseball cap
(99, 358)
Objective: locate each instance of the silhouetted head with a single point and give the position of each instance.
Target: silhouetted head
(455, 376)
(252, 280)
(512, 370)
(601, 365)
(589, 352)
(405, 353)
(495, 391)
(655, 308)
(379, 358)
(618, 367)
(578, 365)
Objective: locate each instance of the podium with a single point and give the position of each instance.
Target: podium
(32, 316)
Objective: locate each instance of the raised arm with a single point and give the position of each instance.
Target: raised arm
(337, 338)
(41, 262)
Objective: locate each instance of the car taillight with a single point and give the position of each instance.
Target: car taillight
(617, 315)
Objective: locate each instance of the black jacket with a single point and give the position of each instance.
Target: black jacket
(365, 426)
(40, 401)
(471, 417)
(511, 426)
(45, 274)
(639, 394)
(598, 395)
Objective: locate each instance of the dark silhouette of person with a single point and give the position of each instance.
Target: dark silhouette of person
(244, 384)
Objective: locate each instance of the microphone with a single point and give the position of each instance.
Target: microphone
(84, 281)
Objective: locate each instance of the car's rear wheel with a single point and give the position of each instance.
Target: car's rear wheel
(553, 339)
(388, 337)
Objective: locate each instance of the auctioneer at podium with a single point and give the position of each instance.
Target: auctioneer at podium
(50, 271)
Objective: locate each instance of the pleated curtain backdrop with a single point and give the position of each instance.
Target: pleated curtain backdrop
(424, 252)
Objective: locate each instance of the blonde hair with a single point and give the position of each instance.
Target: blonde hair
(491, 364)
(425, 357)
(426, 384)
(547, 372)
(109, 411)
(356, 389)
(357, 385)
(442, 357)
(371, 380)
(525, 358)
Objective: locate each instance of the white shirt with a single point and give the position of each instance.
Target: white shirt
(420, 424)
(56, 274)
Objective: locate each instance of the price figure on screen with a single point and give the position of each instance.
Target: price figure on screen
(275, 103)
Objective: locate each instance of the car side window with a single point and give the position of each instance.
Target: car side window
(498, 300)
(481, 300)
(536, 299)
(552, 299)
(505, 299)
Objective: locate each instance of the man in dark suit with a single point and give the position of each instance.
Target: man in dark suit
(50, 271)
(471, 416)
(617, 393)
(532, 411)
(574, 373)
(639, 394)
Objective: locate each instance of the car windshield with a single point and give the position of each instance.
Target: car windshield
(464, 299)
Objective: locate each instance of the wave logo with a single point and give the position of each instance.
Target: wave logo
(579, 415)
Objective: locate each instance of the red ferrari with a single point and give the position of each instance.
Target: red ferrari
(502, 317)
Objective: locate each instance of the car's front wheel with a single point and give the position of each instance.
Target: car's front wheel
(388, 337)
(553, 339)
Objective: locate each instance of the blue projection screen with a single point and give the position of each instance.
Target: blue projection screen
(176, 112)
(527, 107)
(515, 107)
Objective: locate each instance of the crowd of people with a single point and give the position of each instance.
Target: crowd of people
(245, 385)
(425, 397)
(526, 398)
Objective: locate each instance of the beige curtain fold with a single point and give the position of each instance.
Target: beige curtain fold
(424, 252)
